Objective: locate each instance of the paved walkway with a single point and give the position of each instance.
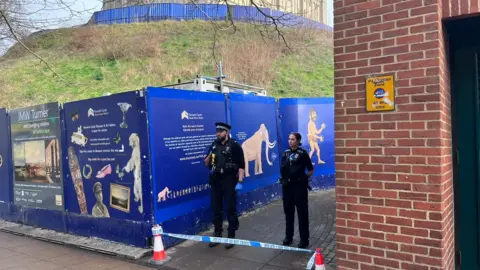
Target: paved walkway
(24, 253)
(266, 225)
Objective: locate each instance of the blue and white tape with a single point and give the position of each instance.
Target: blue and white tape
(311, 262)
(221, 240)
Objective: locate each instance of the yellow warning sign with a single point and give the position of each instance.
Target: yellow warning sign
(380, 91)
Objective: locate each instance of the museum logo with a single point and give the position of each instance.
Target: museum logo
(94, 113)
(191, 116)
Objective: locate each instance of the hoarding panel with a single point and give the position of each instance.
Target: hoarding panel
(36, 143)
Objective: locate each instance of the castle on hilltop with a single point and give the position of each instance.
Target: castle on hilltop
(315, 10)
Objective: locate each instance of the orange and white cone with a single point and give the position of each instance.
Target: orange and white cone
(319, 263)
(159, 256)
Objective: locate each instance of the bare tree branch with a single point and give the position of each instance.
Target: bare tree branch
(18, 23)
(274, 22)
(28, 49)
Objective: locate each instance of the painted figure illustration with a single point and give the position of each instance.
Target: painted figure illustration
(134, 164)
(99, 209)
(77, 180)
(313, 137)
(252, 149)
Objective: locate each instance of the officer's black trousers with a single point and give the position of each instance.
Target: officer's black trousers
(296, 195)
(224, 189)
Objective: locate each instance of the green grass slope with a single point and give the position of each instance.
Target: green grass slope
(92, 61)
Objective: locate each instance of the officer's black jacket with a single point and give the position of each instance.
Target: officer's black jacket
(237, 152)
(293, 165)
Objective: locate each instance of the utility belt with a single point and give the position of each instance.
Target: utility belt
(286, 180)
(230, 169)
(303, 179)
(227, 169)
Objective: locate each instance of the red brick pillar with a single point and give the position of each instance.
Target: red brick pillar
(394, 169)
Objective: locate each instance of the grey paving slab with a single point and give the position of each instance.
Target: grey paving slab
(24, 253)
(17, 261)
(132, 267)
(68, 259)
(266, 225)
(193, 261)
(271, 267)
(38, 265)
(40, 251)
(89, 243)
(263, 256)
(234, 264)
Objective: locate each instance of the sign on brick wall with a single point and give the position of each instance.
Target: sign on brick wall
(380, 93)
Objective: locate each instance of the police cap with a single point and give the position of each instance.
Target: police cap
(223, 126)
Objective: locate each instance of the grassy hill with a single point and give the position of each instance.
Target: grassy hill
(95, 60)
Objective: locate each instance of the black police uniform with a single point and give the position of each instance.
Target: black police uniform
(295, 192)
(225, 161)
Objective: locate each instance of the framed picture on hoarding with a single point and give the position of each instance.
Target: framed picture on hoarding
(120, 197)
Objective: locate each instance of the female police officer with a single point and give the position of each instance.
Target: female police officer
(295, 189)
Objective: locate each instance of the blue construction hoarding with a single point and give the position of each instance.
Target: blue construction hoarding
(133, 159)
(107, 167)
(181, 130)
(313, 118)
(207, 12)
(254, 126)
(254, 122)
(106, 148)
(5, 159)
(36, 139)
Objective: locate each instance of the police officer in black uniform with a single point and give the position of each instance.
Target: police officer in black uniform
(226, 162)
(295, 186)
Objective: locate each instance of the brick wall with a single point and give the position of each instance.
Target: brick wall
(394, 169)
(453, 8)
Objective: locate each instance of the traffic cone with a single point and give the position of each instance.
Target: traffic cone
(159, 256)
(319, 263)
(158, 250)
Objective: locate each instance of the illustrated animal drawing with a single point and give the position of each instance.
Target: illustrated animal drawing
(134, 164)
(252, 149)
(162, 195)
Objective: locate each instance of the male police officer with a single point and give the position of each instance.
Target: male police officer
(226, 162)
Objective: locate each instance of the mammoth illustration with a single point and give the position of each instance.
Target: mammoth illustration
(162, 195)
(252, 149)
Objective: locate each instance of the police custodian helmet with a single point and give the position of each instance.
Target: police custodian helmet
(224, 126)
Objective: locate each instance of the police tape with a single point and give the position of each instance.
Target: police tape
(221, 240)
(311, 262)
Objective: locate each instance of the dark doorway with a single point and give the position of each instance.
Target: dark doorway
(464, 51)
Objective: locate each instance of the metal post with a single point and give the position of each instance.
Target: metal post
(220, 76)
